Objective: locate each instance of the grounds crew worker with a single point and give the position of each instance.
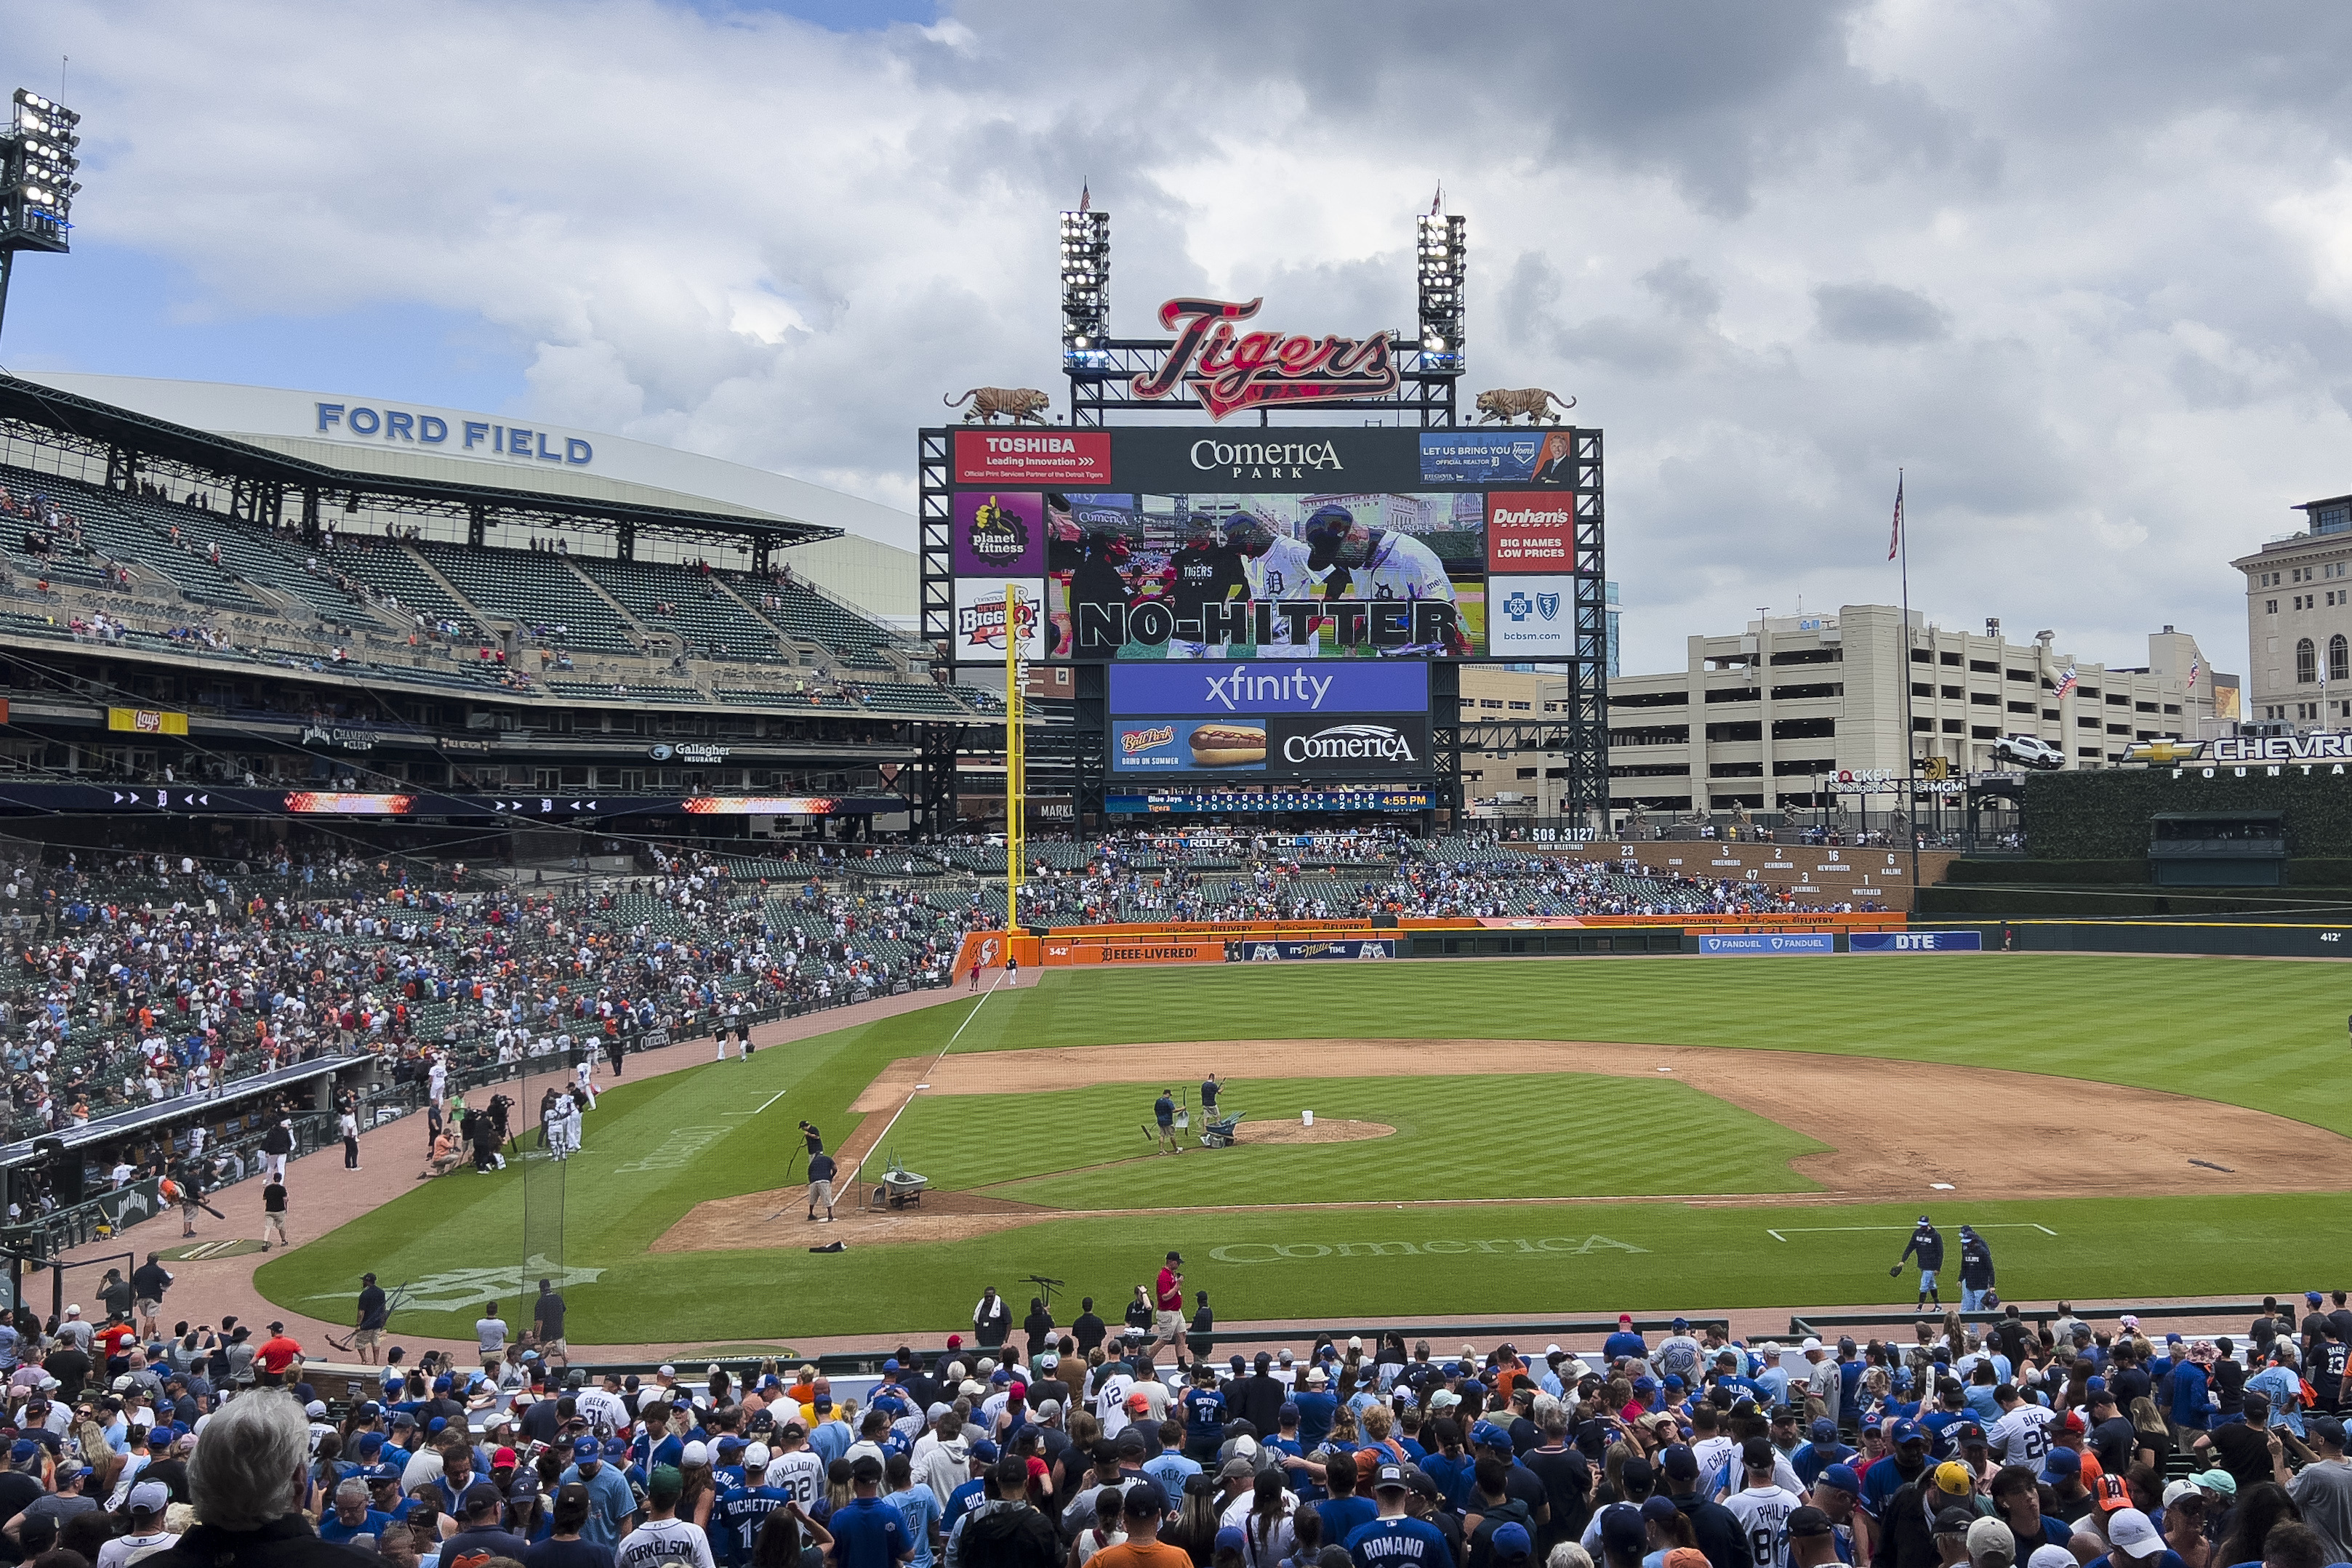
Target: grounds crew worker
(821, 1169)
(1164, 1113)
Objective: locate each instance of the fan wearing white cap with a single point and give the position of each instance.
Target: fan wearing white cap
(148, 1501)
(2132, 1543)
(74, 1328)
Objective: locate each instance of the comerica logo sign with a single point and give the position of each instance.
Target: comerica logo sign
(1349, 743)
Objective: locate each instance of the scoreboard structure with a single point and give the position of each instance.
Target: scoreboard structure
(1268, 618)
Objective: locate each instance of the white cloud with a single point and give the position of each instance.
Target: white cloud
(2084, 271)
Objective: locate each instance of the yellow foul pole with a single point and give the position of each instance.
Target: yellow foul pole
(1015, 854)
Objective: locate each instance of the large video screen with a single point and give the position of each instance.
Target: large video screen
(1264, 721)
(1173, 544)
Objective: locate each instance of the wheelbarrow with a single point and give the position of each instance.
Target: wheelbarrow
(900, 1188)
(1219, 1134)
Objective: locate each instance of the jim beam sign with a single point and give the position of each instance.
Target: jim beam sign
(1228, 372)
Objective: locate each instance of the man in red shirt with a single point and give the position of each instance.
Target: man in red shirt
(115, 1339)
(1168, 1306)
(276, 1354)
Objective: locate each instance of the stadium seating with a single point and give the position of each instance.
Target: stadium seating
(537, 592)
(701, 609)
(809, 616)
(391, 570)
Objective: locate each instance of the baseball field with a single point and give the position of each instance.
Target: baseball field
(1526, 1136)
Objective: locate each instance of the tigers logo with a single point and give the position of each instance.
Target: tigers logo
(996, 536)
(1228, 373)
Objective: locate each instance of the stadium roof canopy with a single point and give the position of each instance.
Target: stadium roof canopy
(109, 443)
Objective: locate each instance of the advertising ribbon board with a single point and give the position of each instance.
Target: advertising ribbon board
(1916, 941)
(1770, 945)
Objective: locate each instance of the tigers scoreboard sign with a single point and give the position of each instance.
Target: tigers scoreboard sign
(1315, 543)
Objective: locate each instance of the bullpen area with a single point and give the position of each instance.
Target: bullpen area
(1556, 1137)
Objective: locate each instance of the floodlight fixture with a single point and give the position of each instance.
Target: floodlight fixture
(37, 164)
(1441, 270)
(1085, 285)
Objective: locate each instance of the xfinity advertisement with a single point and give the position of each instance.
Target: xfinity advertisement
(1302, 721)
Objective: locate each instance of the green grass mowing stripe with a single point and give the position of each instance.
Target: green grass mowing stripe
(1549, 1134)
(1434, 1262)
(2180, 1025)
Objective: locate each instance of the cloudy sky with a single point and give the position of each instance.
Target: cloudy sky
(2083, 269)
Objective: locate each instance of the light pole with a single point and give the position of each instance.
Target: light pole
(36, 182)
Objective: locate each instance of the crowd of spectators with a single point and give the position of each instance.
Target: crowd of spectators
(2055, 1443)
(1223, 876)
(129, 980)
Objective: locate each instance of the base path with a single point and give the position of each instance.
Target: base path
(2051, 1137)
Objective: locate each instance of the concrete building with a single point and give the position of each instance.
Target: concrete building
(2298, 617)
(1764, 718)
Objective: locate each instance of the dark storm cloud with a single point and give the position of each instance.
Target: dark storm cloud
(1876, 313)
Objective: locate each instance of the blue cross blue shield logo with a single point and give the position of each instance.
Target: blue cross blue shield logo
(1518, 606)
(1547, 606)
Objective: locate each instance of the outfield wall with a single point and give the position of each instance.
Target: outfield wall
(1559, 936)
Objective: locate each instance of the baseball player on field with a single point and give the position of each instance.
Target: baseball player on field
(1927, 1243)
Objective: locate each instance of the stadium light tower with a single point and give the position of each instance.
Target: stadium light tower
(1441, 272)
(36, 182)
(1085, 286)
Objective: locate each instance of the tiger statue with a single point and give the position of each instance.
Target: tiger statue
(1507, 404)
(1016, 402)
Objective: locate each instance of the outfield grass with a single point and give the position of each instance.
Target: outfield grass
(2267, 1036)
(1508, 1136)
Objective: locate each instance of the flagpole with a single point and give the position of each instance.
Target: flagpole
(1910, 741)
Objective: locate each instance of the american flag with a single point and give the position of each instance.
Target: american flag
(2065, 680)
(1895, 541)
(2192, 674)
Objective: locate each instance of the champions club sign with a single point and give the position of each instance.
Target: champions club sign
(1228, 372)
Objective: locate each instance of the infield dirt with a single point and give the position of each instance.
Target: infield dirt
(1893, 1128)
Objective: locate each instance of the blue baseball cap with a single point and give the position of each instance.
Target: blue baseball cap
(1474, 1386)
(984, 1451)
(2059, 1463)
(586, 1449)
(1681, 1323)
(2312, 1296)
(891, 1364)
(1486, 1434)
(1673, 1382)
(369, 1443)
(1509, 1541)
(1906, 1432)
(1842, 1478)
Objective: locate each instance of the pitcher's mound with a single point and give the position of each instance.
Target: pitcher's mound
(1324, 1131)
